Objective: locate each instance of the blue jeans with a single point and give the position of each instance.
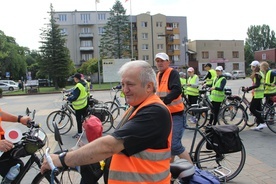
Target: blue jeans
(179, 124)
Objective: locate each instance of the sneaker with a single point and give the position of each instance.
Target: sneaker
(76, 136)
(259, 127)
(193, 119)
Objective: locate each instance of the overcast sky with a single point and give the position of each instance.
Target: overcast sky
(206, 20)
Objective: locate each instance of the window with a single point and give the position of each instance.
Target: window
(264, 56)
(144, 24)
(145, 47)
(86, 57)
(158, 24)
(205, 55)
(86, 43)
(85, 30)
(160, 46)
(85, 18)
(145, 36)
(176, 36)
(220, 54)
(175, 25)
(235, 54)
(160, 35)
(101, 16)
(62, 17)
(145, 57)
(101, 30)
(63, 31)
(235, 66)
(176, 58)
(175, 47)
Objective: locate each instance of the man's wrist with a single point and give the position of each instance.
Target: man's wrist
(19, 118)
(62, 159)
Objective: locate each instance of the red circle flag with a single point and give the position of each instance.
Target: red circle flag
(13, 135)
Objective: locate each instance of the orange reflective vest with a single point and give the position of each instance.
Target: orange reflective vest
(150, 166)
(162, 90)
(2, 132)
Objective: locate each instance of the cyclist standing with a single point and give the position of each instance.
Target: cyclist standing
(217, 94)
(210, 76)
(78, 99)
(257, 94)
(270, 82)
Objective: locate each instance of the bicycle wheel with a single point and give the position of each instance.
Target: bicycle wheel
(118, 114)
(108, 121)
(111, 105)
(232, 114)
(68, 176)
(193, 119)
(208, 159)
(270, 119)
(62, 119)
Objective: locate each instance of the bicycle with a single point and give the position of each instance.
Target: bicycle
(236, 112)
(229, 165)
(64, 120)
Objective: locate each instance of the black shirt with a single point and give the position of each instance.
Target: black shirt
(149, 128)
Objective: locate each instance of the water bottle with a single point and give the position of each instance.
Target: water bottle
(13, 172)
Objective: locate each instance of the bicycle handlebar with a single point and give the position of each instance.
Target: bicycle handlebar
(50, 162)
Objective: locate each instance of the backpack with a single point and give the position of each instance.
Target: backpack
(225, 139)
(203, 177)
(93, 127)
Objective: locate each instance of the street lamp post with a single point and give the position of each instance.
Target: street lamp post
(184, 43)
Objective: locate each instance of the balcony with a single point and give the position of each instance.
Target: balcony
(86, 48)
(86, 35)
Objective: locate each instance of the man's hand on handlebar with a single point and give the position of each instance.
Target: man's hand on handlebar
(25, 119)
(45, 166)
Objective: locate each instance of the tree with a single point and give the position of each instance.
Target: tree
(115, 41)
(259, 38)
(89, 67)
(55, 59)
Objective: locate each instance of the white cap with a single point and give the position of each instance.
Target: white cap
(162, 56)
(219, 68)
(190, 69)
(255, 63)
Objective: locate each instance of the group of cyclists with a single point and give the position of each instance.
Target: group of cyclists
(263, 86)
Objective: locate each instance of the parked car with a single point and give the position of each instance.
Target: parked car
(238, 74)
(8, 87)
(10, 82)
(227, 75)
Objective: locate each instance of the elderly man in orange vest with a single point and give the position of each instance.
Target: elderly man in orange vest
(141, 146)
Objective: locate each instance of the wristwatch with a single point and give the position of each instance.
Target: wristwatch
(61, 158)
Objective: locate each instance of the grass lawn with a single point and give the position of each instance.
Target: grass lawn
(102, 86)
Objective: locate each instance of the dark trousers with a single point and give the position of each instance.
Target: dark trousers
(255, 106)
(214, 115)
(80, 115)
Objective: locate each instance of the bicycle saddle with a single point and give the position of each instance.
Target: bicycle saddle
(199, 110)
(181, 169)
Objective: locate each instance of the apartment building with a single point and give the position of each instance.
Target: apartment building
(226, 53)
(151, 34)
(268, 55)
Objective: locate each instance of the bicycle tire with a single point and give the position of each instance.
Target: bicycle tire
(270, 119)
(118, 114)
(201, 118)
(68, 176)
(63, 120)
(108, 122)
(232, 114)
(208, 159)
(111, 105)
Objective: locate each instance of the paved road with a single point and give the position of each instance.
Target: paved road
(260, 146)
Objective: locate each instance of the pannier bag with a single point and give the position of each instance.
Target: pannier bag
(203, 177)
(225, 139)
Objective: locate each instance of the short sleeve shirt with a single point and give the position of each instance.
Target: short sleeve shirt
(149, 128)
